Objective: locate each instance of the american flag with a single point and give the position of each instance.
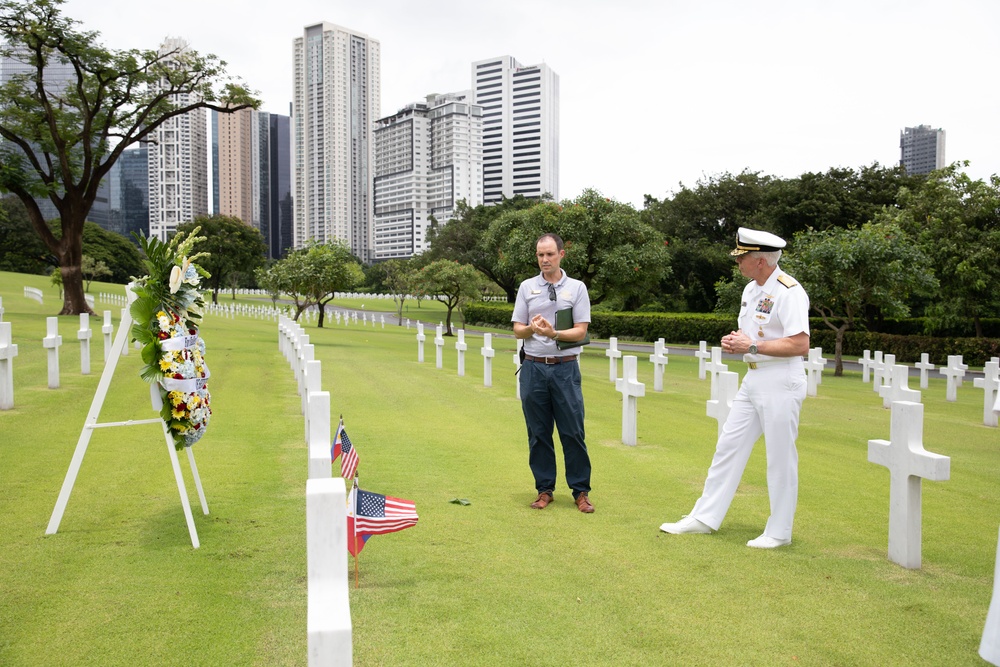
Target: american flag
(355, 542)
(375, 514)
(349, 455)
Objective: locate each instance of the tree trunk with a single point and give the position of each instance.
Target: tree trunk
(838, 350)
(322, 314)
(70, 266)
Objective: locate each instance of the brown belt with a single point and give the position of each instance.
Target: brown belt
(551, 360)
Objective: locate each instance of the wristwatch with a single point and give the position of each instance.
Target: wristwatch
(753, 348)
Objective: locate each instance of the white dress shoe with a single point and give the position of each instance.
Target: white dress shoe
(765, 542)
(686, 525)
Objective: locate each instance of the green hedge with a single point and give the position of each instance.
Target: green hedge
(690, 328)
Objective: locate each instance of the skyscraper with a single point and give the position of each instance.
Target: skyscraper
(279, 231)
(178, 164)
(239, 178)
(336, 101)
(520, 128)
(428, 157)
(921, 149)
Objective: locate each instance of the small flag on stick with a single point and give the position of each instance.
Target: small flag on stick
(343, 448)
(374, 514)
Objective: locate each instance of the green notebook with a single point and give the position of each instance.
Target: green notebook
(564, 320)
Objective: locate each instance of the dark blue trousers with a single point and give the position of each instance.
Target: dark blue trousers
(551, 396)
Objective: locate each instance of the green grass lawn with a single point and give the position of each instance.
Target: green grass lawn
(491, 583)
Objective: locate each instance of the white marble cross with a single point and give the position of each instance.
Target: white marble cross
(990, 384)
(924, 365)
(1, 309)
(631, 389)
(461, 346)
(52, 342)
(729, 384)
(888, 361)
(898, 389)
(659, 360)
(364, 319)
(337, 315)
(517, 365)
(613, 354)
(488, 353)
(954, 372)
(715, 367)
(420, 342)
(703, 354)
(84, 335)
(107, 329)
(381, 319)
(878, 367)
(907, 460)
(7, 353)
(814, 370)
(866, 365)
(407, 323)
(439, 343)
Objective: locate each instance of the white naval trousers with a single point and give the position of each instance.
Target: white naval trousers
(767, 403)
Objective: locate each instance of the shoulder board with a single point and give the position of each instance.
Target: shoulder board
(786, 281)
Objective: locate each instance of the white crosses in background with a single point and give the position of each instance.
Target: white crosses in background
(659, 360)
(714, 367)
(885, 374)
(84, 336)
(924, 365)
(907, 460)
(407, 323)
(954, 371)
(461, 346)
(52, 342)
(488, 353)
(107, 329)
(866, 365)
(328, 613)
(364, 319)
(728, 384)
(439, 343)
(33, 293)
(613, 354)
(354, 317)
(631, 389)
(337, 315)
(1, 309)
(703, 354)
(7, 353)
(382, 320)
(517, 365)
(898, 389)
(878, 367)
(814, 370)
(990, 384)
(420, 342)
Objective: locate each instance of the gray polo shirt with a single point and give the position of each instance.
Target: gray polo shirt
(533, 299)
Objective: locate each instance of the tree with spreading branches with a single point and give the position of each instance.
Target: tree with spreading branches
(76, 105)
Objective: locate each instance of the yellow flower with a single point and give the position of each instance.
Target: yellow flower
(179, 413)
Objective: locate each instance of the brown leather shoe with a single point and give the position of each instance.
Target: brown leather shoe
(583, 503)
(544, 498)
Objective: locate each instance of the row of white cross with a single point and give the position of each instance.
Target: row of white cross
(328, 617)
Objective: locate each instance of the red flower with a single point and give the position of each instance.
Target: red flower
(163, 335)
(178, 376)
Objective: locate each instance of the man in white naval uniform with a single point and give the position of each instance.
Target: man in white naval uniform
(773, 336)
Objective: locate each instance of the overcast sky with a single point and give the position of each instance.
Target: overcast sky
(654, 93)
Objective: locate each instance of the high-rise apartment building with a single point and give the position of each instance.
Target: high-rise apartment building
(336, 100)
(239, 176)
(428, 157)
(921, 149)
(520, 128)
(178, 164)
(130, 192)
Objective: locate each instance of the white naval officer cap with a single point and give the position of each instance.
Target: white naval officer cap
(750, 240)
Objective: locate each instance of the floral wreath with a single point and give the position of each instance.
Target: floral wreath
(166, 316)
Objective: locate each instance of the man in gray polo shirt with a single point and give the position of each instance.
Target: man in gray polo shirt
(550, 377)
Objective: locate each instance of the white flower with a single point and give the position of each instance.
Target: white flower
(176, 276)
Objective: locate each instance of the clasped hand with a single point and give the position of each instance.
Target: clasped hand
(542, 326)
(736, 343)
